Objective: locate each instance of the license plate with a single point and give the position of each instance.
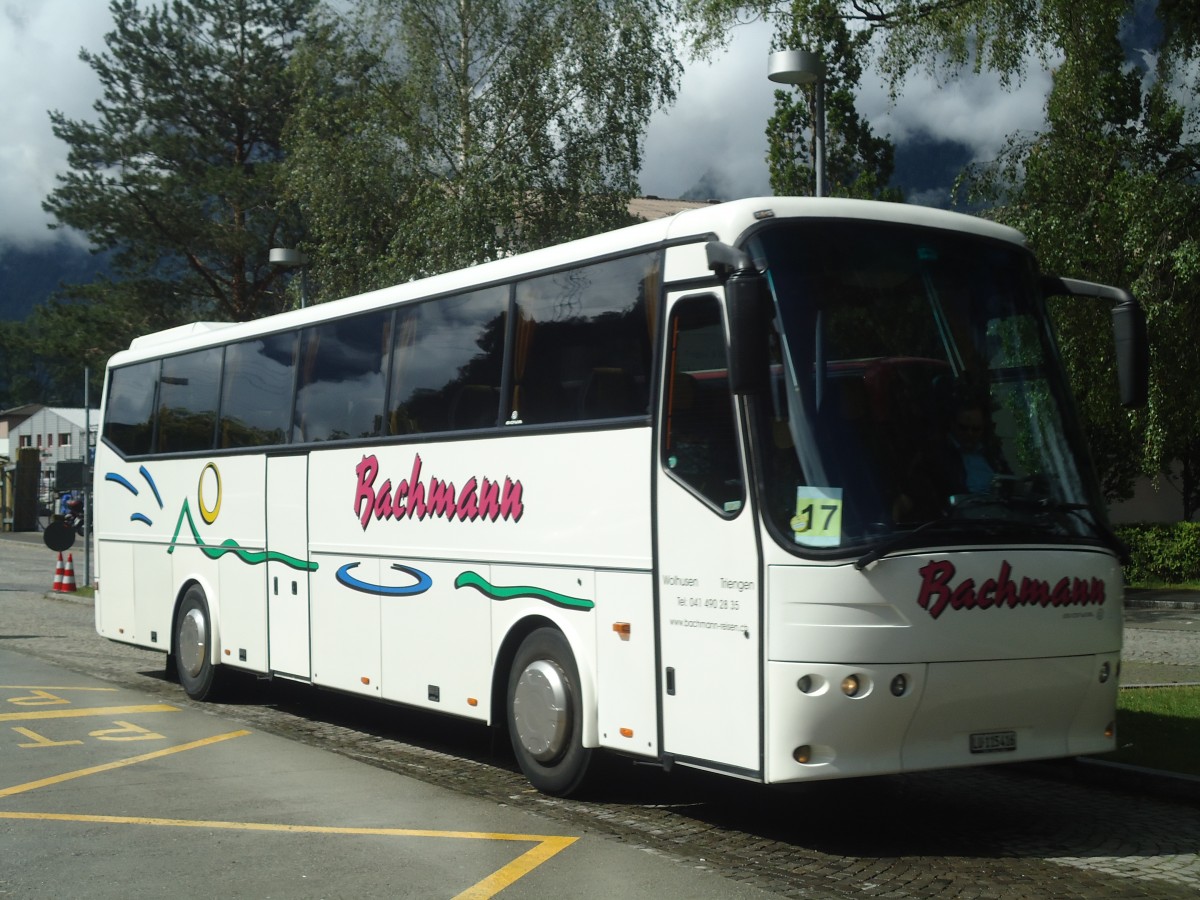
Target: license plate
(994, 742)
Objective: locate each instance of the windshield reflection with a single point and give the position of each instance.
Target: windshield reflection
(915, 389)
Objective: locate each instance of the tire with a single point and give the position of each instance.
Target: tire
(201, 680)
(545, 714)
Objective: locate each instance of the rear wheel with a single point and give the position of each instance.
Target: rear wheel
(545, 721)
(192, 647)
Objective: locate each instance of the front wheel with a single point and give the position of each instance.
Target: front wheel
(545, 714)
(192, 647)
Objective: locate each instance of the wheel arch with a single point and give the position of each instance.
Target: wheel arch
(214, 616)
(584, 663)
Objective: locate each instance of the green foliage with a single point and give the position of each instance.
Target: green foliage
(857, 163)
(18, 366)
(940, 37)
(433, 135)
(178, 174)
(1109, 192)
(1162, 554)
(1159, 728)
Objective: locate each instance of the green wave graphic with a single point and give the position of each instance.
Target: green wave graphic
(250, 557)
(472, 579)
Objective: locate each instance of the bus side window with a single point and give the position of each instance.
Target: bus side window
(700, 445)
(256, 392)
(187, 401)
(446, 363)
(581, 342)
(340, 390)
(130, 413)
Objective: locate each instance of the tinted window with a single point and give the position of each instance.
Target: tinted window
(700, 444)
(129, 409)
(339, 394)
(583, 339)
(256, 396)
(187, 401)
(447, 363)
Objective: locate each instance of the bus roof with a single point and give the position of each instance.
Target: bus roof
(722, 221)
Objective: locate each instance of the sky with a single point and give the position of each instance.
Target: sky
(711, 139)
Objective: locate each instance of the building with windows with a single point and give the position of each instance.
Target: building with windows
(49, 435)
(57, 432)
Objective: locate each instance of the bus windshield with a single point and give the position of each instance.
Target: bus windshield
(915, 390)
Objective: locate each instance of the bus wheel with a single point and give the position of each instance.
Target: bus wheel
(545, 721)
(193, 633)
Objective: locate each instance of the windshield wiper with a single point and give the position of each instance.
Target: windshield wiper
(989, 527)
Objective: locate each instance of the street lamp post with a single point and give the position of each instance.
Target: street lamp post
(805, 67)
(287, 258)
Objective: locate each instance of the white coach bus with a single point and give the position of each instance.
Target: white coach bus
(782, 488)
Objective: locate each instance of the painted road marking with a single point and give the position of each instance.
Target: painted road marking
(50, 687)
(40, 740)
(86, 711)
(117, 764)
(545, 846)
(38, 698)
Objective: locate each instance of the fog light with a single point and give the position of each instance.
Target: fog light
(1105, 673)
(805, 684)
(1110, 730)
(802, 754)
(850, 685)
(899, 685)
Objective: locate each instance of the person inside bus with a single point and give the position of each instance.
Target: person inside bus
(965, 460)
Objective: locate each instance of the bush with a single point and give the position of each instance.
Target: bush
(1162, 554)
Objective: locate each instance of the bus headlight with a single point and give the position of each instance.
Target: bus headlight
(851, 685)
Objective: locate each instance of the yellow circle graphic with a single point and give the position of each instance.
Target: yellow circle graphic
(209, 515)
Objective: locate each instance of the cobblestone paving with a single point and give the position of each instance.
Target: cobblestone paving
(991, 834)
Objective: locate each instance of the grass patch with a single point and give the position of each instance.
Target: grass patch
(1164, 586)
(1159, 728)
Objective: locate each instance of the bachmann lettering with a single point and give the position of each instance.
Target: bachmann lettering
(938, 590)
(414, 498)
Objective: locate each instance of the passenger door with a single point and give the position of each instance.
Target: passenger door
(287, 561)
(707, 566)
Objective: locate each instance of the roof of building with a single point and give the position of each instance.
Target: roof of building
(16, 414)
(649, 208)
(77, 416)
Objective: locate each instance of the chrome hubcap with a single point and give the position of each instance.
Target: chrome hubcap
(193, 642)
(542, 710)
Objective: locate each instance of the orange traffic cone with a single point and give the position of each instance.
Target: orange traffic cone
(58, 574)
(69, 576)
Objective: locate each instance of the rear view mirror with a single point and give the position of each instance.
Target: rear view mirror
(748, 307)
(1129, 333)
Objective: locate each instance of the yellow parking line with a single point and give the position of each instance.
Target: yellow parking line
(225, 825)
(517, 869)
(51, 687)
(546, 846)
(107, 767)
(85, 711)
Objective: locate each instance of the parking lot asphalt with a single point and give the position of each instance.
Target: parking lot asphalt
(106, 792)
(1162, 633)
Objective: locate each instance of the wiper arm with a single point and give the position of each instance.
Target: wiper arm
(991, 526)
(950, 523)
(1101, 527)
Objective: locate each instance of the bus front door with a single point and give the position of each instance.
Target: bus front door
(710, 625)
(287, 558)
